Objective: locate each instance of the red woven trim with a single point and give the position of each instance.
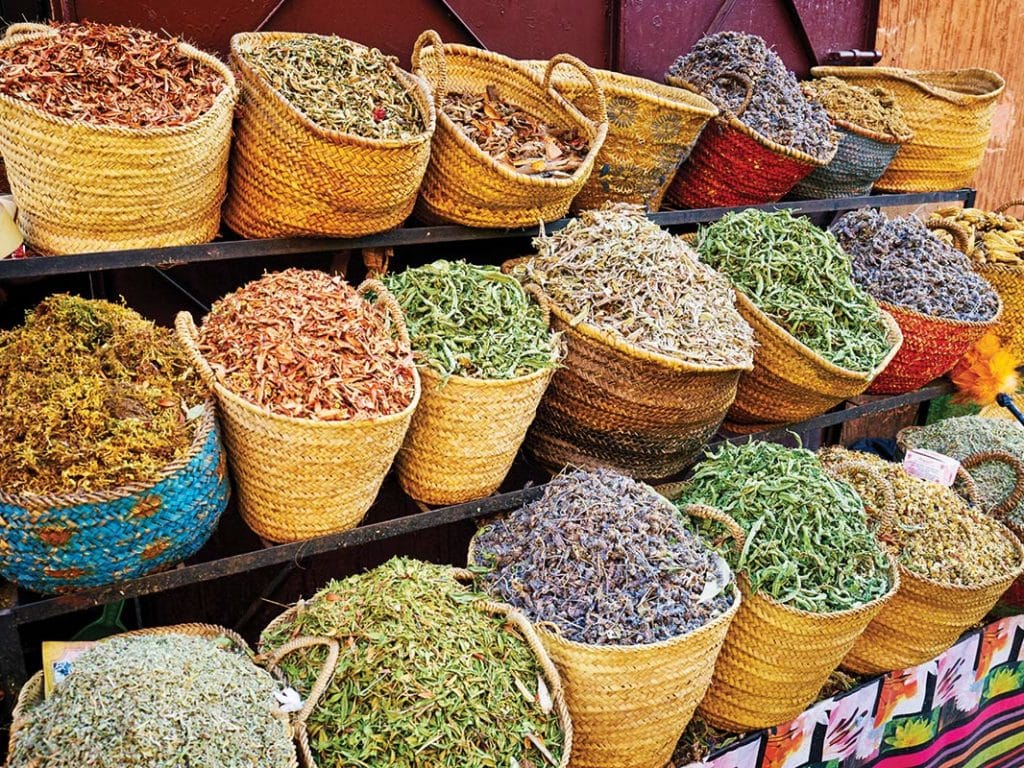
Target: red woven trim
(727, 168)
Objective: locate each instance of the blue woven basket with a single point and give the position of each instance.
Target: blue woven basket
(860, 160)
(61, 543)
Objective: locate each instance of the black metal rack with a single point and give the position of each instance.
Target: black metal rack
(17, 610)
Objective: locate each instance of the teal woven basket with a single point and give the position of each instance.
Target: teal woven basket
(860, 161)
(53, 544)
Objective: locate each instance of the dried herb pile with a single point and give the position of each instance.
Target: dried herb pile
(964, 436)
(109, 75)
(808, 542)
(901, 262)
(798, 275)
(934, 533)
(426, 678)
(514, 137)
(605, 559)
(304, 344)
(468, 320)
(778, 108)
(339, 85)
(92, 396)
(617, 270)
(158, 702)
(992, 238)
(875, 109)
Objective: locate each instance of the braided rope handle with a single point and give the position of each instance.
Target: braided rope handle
(740, 78)
(542, 300)
(1000, 511)
(1009, 204)
(846, 469)
(431, 38)
(588, 73)
(387, 299)
(188, 335)
(739, 538)
(961, 237)
(271, 660)
(23, 28)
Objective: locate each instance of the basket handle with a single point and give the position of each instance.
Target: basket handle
(886, 515)
(740, 78)
(271, 660)
(388, 301)
(739, 538)
(961, 237)
(431, 38)
(1009, 204)
(185, 328)
(542, 299)
(28, 28)
(588, 73)
(1000, 511)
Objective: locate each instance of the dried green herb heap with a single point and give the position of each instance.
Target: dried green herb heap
(934, 533)
(778, 109)
(304, 344)
(965, 436)
(901, 262)
(875, 109)
(339, 85)
(157, 702)
(606, 559)
(426, 678)
(109, 75)
(619, 271)
(92, 396)
(472, 321)
(798, 275)
(808, 542)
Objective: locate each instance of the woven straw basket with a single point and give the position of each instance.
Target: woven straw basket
(631, 703)
(775, 658)
(950, 113)
(466, 432)
(32, 693)
(512, 616)
(463, 183)
(290, 176)
(83, 188)
(612, 404)
(299, 478)
(1007, 279)
(931, 347)
(651, 130)
(60, 543)
(733, 164)
(860, 160)
(790, 381)
(926, 616)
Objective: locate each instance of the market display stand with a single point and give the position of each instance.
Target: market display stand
(18, 609)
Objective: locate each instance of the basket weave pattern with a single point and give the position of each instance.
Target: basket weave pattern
(950, 113)
(860, 160)
(464, 184)
(290, 176)
(82, 188)
(61, 543)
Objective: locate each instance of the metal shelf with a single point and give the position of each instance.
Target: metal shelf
(227, 249)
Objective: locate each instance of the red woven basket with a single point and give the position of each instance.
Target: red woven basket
(733, 164)
(931, 347)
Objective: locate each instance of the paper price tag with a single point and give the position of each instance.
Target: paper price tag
(931, 465)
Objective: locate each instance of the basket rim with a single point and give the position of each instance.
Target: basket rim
(542, 626)
(674, 489)
(732, 121)
(430, 375)
(952, 324)
(895, 334)
(867, 133)
(597, 131)
(914, 77)
(414, 85)
(207, 424)
(620, 83)
(224, 100)
(594, 333)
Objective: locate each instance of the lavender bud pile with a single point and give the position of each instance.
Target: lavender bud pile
(778, 108)
(901, 262)
(605, 559)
